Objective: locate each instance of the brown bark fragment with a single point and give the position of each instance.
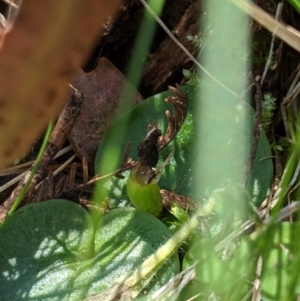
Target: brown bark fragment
(169, 60)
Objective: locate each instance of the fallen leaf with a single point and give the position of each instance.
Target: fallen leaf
(102, 89)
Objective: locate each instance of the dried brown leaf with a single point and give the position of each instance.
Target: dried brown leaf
(102, 89)
(180, 104)
(286, 33)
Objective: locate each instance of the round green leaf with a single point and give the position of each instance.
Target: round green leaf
(52, 251)
(205, 159)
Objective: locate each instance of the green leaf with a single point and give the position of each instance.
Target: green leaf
(280, 279)
(52, 251)
(223, 276)
(205, 160)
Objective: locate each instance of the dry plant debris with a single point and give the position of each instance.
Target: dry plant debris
(103, 89)
(58, 136)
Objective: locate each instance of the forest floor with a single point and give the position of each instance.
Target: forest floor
(165, 64)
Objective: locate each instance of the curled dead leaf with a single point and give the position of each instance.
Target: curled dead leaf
(180, 105)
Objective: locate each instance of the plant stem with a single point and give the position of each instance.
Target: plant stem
(34, 169)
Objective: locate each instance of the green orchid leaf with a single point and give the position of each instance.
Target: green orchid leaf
(205, 160)
(52, 251)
